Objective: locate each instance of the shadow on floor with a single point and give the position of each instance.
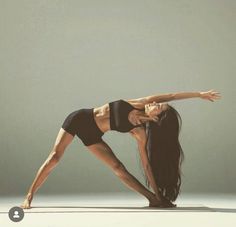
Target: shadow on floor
(116, 209)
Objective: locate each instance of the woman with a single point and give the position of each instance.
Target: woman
(151, 121)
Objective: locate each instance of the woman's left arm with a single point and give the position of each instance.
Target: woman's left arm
(210, 95)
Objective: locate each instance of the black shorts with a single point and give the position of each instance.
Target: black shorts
(81, 122)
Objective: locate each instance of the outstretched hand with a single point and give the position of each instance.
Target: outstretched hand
(210, 95)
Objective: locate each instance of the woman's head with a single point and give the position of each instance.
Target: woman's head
(153, 110)
(165, 152)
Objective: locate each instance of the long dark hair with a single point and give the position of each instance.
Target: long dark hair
(165, 152)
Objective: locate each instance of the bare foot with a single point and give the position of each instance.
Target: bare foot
(27, 202)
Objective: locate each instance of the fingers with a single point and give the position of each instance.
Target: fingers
(216, 97)
(212, 95)
(215, 93)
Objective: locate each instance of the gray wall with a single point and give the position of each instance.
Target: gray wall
(59, 56)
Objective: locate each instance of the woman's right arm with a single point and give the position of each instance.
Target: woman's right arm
(140, 135)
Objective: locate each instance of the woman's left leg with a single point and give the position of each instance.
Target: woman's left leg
(63, 139)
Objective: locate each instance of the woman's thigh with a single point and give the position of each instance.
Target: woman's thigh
(63, 139)
(104, 153)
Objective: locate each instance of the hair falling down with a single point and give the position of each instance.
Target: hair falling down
(165, 152)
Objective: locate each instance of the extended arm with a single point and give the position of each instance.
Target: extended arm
(210, 95)
(172, 96)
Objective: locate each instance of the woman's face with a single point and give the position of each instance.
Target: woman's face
(154, 109)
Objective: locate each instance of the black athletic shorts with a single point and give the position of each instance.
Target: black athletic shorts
(81, 122)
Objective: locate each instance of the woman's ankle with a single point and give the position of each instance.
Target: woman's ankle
(29, 196)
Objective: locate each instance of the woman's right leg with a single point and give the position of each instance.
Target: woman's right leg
(103, 152)
(62, 141)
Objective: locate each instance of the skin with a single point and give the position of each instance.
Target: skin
(104, 153)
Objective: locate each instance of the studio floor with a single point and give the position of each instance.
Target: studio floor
(208, 210)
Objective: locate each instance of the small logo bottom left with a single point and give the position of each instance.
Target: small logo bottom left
(16, 214)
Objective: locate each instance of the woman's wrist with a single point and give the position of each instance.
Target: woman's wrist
(158, 195)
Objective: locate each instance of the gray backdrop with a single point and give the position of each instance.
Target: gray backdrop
(59, 56)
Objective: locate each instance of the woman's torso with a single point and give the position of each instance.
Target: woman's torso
(102, 115)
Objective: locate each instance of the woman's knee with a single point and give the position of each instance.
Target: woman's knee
(63, 139)
(56, 153)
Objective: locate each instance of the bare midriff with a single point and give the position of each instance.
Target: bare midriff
(102, 117)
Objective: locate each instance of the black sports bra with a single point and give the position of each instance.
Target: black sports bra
(119, 111)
